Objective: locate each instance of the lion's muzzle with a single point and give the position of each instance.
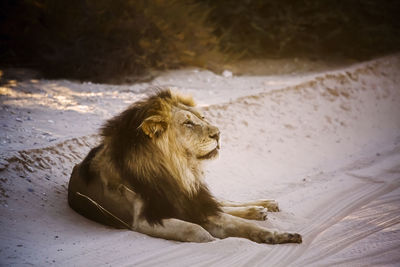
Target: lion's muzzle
(213, 132)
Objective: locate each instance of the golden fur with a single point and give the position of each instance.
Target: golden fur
(146, 175)
(179, 158)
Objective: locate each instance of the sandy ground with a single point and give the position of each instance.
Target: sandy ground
(325, 145)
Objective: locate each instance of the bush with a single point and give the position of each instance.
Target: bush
(106, 41)
(280, 28)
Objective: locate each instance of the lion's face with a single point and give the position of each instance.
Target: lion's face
(179, 138)
(180, 131)
(194, 134)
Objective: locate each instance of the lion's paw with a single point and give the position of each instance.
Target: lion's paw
(256, 213)
(271, 205)
(280, 238)
(289, 238)
(277, 238)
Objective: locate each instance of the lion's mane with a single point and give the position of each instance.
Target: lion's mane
(132, 159)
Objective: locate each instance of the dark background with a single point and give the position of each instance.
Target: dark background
(104, 41)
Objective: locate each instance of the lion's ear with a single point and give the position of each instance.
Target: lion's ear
(154, 126)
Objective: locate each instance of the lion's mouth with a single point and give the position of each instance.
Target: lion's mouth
(210, 154)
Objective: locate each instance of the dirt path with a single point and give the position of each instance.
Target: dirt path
(325, 145)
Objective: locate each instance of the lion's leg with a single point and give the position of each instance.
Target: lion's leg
(269, 204)
(225, 225)
(175, 229)
(247, 212)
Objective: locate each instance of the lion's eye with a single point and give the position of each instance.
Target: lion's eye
(189, 123)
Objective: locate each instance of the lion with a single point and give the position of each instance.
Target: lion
(146, 175)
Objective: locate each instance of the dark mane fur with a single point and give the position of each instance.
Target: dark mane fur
(84, 170)
(162, 195)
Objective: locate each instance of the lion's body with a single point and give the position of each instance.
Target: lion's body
(146, 175)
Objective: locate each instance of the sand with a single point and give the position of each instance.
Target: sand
(324, 144)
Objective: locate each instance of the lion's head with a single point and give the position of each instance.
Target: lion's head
(180, 127)
(163, 133)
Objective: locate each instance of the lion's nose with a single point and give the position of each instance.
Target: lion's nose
(213, 132)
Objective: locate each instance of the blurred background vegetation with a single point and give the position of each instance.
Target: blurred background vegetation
(105, 41)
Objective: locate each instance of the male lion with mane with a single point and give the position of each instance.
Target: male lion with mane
(146, 176)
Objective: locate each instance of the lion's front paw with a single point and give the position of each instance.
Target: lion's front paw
(280, 238)
(271, 205)
(289, 238)
(256, 213)
(276, 238)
